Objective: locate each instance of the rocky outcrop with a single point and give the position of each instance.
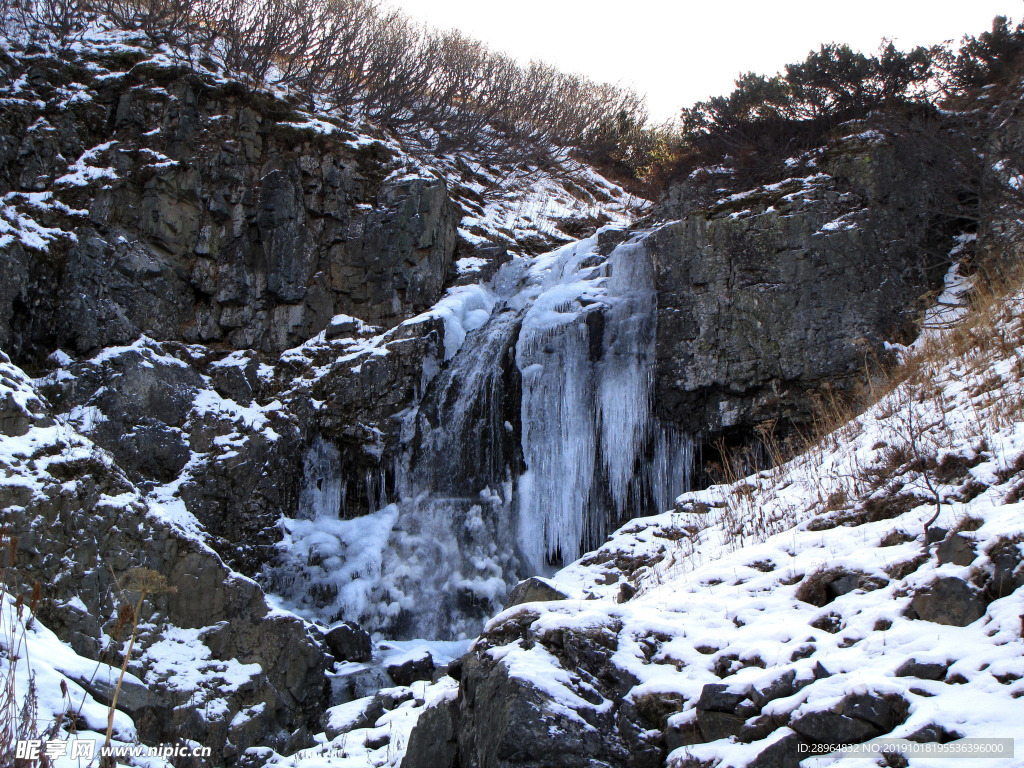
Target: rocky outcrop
(261, 674)
(534, 589)
(766, 297)
(349, 643)
(202, 212)
(504, 718)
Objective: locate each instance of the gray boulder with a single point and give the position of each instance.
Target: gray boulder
(533, 590)
(349, 643)
(857, 718)
(434, 741)
(922, 670)
(957, 549)
(948, 600)
(505, 721)
(415, 667)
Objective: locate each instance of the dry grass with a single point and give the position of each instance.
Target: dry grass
(18, 718)
(142, 582)
(18, 698)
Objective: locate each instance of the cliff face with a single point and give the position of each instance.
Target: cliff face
(248, 675)
(188, 210)
(202, 214)
(767, 296)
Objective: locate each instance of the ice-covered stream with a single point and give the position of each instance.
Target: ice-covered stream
(530, 441)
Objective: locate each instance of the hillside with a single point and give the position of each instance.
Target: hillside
(869, 587)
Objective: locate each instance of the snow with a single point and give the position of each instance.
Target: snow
(540, 668)
(469, 265)
(41, 660)
(344, 716)
(951, 304)
(15, 225)
(315, 125)
(150, 351)
(81, 173)
(390, 733)
(254, 418)
(718, 576)
(463, 309)
(510, 206)
(180, 661)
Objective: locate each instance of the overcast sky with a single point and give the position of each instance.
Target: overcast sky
(683, 51)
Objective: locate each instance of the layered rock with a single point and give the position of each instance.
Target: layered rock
(201, 212)
(768, 296)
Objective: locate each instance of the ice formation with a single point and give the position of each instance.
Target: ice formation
(529, 443)
(594, 453)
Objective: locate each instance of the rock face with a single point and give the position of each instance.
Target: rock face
(418, 666)
(202, 230)
(201, 214)
(948, 600)
(767, 296)
(64, 496)
(349, 643)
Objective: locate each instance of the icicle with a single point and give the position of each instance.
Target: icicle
(586, 406)
(559, 445)
(322, 487)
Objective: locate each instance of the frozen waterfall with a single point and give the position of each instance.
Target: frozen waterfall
(531, 439)
(593, 453)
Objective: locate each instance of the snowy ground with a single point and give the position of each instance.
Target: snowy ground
(816, 572)
(739, 585)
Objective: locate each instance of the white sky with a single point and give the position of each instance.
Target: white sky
(684, 51)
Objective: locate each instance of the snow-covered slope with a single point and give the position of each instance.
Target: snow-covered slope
(806, 605)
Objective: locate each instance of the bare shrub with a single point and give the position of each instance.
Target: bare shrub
(166, 21)
(446, 91)
(62, 19)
